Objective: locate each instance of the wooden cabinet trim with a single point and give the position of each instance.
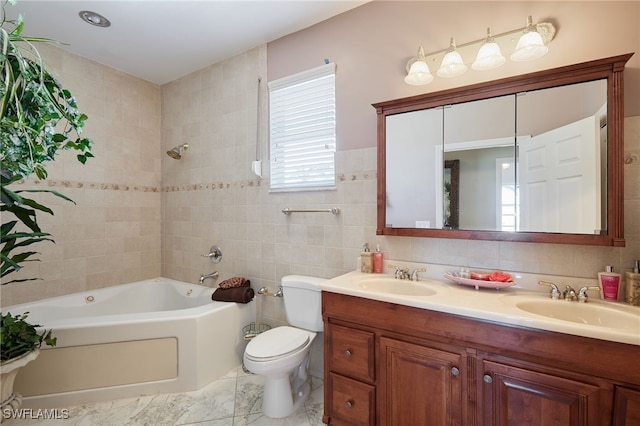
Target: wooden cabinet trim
(598, 357)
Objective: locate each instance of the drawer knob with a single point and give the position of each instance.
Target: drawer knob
(347, 354)
(487, 378)
(349, 405)
(455, 371)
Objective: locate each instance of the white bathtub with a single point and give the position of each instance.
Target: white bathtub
(147, 337)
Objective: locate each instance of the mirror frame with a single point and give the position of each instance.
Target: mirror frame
(611, 69)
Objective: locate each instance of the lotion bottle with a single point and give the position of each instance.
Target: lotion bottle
(366, 260)
(609, 284)
(377, 260)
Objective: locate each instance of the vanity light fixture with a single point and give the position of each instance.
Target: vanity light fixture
(452, 64)
(489, 56)
(522, 44)
(530, 45)
(94, 18)
(417, 70)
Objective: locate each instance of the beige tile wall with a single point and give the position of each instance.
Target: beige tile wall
(112, 234)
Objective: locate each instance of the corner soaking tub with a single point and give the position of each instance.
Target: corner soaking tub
(147, 337)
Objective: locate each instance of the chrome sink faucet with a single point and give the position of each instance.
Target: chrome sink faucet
(570, 294)
(404, 274)
(400, 273)
(213, 276)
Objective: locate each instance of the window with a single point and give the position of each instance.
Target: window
(302, 110)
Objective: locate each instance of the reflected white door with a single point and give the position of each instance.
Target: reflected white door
(560, 179)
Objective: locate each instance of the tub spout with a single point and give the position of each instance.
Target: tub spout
(213, 276)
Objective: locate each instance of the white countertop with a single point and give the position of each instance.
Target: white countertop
(498, 305)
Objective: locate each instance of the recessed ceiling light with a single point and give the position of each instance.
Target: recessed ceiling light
(94, 18)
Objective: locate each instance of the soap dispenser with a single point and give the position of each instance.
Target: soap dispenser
(366, 260)
(633, 285)
(377, 260)
(609, 284)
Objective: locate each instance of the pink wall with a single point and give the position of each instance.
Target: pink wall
(372, 43)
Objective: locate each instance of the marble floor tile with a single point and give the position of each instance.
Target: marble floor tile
(233, 400)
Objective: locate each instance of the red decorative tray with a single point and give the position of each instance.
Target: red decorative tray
(478, 283)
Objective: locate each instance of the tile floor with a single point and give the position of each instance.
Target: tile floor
(235, 399)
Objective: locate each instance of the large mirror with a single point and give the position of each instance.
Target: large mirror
(534, 158)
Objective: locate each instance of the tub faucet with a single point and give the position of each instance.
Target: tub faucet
(213, 276)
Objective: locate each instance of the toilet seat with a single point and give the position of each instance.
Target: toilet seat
(276, 343)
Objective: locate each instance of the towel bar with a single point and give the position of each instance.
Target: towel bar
(333, 210)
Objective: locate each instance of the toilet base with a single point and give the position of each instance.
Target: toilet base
(284, 395)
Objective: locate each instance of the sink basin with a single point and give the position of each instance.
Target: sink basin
(583, 313)
(393, 286)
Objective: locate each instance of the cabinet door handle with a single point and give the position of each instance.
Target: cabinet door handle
(487, 378)
(455, 371)
(347, 354)
(349, 405)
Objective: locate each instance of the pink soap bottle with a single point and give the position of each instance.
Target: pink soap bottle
(609, 284)
(377, 260)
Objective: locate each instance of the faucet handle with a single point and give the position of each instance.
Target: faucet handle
(215, 254)
(414, 274)
(583, 297)
(397, 272)
(555, 291)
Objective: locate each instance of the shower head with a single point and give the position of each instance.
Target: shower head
(176, 152)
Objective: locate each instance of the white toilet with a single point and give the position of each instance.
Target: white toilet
(281, 354)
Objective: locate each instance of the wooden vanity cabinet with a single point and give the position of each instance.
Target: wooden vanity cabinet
(388, 364)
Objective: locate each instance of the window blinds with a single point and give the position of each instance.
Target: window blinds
(303, 130)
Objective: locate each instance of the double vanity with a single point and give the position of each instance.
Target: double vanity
(433, 352)
(483, 162)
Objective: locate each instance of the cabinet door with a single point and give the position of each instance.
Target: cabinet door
(626, 411)
(515, 396)
(419, 385)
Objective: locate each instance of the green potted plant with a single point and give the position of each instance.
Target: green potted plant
(38, 118)
(21, 343)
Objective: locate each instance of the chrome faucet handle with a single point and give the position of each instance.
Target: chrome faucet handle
(414, 274)
(570, 294)
(215, 254)
(555, 291)
(398, 271)
(583, 297)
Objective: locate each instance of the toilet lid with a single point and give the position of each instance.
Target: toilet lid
(277, 342)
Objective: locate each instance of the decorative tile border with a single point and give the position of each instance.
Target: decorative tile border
(342, 177)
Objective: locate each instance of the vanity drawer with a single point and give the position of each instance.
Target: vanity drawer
(352, 402)
(351, 352)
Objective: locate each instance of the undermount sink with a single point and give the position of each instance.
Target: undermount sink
(582, 313)
(393, 286)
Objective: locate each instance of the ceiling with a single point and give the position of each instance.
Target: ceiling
(162, 40)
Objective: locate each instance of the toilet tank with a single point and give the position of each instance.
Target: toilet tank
(303, 301)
